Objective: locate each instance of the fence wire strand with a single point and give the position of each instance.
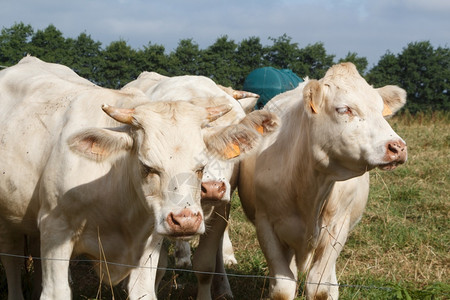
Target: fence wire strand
(202, 272)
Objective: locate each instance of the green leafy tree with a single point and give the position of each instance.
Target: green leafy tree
(14, 43)
(249, 56)
(186, 59)
(313, 61)
(119, 66)
(361, 63)
(422, 71)
(386, 72)
(87, 60)
(219, 62)
(50, 45)
(283, 54)
(153, 59)
(426, 74)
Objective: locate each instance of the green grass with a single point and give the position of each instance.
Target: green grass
(400, 249)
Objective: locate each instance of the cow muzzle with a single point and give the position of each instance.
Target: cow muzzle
(213, 190)
(185, 223)
(396, 154)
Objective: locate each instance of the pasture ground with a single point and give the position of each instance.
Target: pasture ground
(400, 249)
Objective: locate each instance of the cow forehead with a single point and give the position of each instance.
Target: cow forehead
(172, 134)
(354, 91)
(174, 143)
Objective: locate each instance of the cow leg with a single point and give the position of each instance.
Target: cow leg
(162, 265)
(143, 279)
(56, 250)
(205, 256)
(279, 259)
(321, 279)
(227, 250)
(35, 251)
(220, 285)
(13, 245)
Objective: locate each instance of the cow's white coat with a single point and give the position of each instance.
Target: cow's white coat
(308, 185)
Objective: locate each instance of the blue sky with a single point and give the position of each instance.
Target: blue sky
(367, 27)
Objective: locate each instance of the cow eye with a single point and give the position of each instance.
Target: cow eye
(147, 170)
(344, 110)
(199, 172)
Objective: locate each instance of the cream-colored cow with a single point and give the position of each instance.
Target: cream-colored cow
(88, 170)
(219, 177)
(308, 185)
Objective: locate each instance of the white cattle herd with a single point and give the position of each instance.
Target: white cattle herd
(111, 173)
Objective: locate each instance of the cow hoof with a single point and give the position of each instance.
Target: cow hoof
(230, 261)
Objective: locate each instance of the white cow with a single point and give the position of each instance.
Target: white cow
(107, 183)
(219, 177)
(308, 186)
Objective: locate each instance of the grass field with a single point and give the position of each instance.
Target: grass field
(400, 249)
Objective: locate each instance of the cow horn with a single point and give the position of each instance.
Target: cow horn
(122, 115)
(215, 112)
(243, 94)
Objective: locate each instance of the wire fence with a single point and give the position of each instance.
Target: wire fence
(389, 289)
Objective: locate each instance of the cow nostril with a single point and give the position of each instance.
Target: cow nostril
(184, 223)
(393, 147)
(174, 220)
(204, 189)
(396, 152)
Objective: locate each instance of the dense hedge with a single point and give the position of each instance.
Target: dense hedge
(421, 69)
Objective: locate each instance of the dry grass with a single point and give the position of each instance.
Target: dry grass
(400, 249)
(403, 240)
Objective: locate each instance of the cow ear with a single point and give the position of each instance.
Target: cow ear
(263, 121)
(393, 97)
(243, 138)
(313, 96)
(100, 144)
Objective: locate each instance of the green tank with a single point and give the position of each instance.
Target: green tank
(268, 82)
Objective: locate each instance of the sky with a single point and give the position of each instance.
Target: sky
(368, 27)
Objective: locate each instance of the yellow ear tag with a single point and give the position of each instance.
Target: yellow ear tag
(232, 151)
(386, 111)
(260, 129)
(314, 110)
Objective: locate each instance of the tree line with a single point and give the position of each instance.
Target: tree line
(421, 69)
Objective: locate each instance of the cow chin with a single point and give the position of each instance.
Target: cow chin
(388, 167)
(181, 225)
(180, 235)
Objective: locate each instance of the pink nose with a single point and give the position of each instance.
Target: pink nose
(184, 223)
(396, 152)
(213, 190)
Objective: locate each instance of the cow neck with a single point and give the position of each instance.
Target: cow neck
(311, 184)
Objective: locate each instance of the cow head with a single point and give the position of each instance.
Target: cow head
(162, 145)
(349, 132)
(204, 92)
